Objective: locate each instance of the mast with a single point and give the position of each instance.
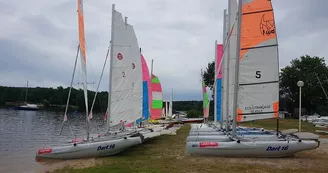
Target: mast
(226, 63)
(236, 86)
(215, 78)
(151, 77)
(224, 81)
(26, 91)
(110, 67)
(151, 68)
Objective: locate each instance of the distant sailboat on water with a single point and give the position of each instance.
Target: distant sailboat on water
(27, 106)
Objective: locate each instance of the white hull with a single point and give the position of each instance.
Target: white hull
(241, 132)
(250, 148)
(225, 138)
(89, 149)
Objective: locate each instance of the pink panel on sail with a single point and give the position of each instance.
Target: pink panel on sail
(219, 49)
(145, 70)
(156, 112)
(156, 87)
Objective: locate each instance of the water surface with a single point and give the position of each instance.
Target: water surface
(23, 132)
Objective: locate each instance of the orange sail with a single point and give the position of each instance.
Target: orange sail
(83, 53)
(81, 30)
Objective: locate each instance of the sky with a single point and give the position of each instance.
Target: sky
(38, 39)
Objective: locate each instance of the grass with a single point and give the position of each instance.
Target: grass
(167, 154)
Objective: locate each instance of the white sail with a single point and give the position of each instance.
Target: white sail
(232, 46)
(166, 108)
(171, 105)
(126, 73)
(258, 91)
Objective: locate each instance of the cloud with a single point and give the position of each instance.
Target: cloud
(38, 39)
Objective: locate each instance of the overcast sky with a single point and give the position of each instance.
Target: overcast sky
(38, 38)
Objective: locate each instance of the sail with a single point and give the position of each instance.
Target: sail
(83, 53)
(206, 103)
(218, 80)
(170, 107)
(157, 98)
(125, 73)
(258, 92)
(166, 107)
(232, 46)
(146, 89)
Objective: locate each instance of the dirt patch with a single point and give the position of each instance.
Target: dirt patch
(52, 165)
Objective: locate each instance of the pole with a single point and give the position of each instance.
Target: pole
(300, 110)
(215, 86)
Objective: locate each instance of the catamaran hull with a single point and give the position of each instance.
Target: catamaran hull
(225, 138)
(215, 133)
(89, 149)
(250, 148)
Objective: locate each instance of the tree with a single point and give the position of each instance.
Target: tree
(308, 69)
(208, 76)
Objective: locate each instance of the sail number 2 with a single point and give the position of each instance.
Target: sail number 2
(258, 74)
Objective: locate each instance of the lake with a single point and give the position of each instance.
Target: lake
(23, 132)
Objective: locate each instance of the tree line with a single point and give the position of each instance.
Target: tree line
(55, 99)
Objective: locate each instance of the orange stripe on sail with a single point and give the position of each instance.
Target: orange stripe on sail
(239, 115)
(275, 106)
(257, 24)
(81, 29)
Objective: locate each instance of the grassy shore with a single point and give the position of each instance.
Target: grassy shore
(166, 154)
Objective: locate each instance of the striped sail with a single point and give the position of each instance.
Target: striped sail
(145, 89)
(258, 92)
(83, 54)
(218, 81)
(157, 98)
(126, 73)
(206, 102)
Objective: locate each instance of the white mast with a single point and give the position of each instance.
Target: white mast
(226, 66)
(110, 67)
(234, 110)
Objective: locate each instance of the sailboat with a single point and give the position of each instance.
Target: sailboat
(27, 106)
(123, 45)
(256, 89)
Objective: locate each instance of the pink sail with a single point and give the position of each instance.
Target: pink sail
(147, 92)
(219, 50)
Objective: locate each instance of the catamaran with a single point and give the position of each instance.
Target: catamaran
(256, 89)
(124, 78)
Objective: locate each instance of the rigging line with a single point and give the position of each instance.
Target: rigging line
(69, 93)
(102, 72)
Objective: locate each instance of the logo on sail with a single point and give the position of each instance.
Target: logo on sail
(267, 26)
(119, 56)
